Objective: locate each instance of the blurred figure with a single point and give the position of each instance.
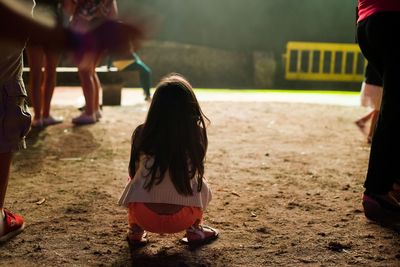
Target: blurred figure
(144, 72)
(87, 14)
(15, 119)
(136, 64)
(377, 33)
(42, 83)
(371, 96)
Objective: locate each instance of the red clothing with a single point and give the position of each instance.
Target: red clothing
(367, 8)
(140, 214)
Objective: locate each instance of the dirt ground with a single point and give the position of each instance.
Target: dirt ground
(286, 179)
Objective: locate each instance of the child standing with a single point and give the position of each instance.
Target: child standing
(42, 83)
(87, 14)
(167, 192)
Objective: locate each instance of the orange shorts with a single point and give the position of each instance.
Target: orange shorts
(140, 214)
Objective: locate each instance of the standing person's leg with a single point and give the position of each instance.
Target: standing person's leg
(50, 77)
(144, 76)
(379, 43)
(85, 71)
(382, 170)
(35, 56)
(145, 79)
(98, 88)
(5, 165)
(371, 96)
(15, 122)
(374, 119)
(363, 120)
(10, 224)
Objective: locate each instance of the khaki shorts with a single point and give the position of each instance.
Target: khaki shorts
(15, 121)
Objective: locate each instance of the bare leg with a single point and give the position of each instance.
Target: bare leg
(10, 224)
(97, 86)
(35, 59)
(363, 120)
(87, 82)
(50, 80)
(374, 119)
(5, 164)
(366, 117)
(86, 70)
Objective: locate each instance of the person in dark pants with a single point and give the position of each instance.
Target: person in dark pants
(378, 38)
(135, 64)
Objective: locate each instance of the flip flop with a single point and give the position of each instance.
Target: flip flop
(200, 235)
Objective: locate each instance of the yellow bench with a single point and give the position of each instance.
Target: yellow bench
(324, 62)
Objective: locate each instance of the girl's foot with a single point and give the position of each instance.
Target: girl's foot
(84, 119)
(52, 120)
(37, 123)
(98, 115)
(137, 237)
(200, 235)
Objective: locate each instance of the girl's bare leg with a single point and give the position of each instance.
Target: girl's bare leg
(88, 87)
(374, 119)
(97, 86)
(86, 68)
(52, 60)
(35, 58)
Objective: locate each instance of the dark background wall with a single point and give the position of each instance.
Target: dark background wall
(238, 29)
(250, 24)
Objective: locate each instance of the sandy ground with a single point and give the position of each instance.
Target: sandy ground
(286, 177)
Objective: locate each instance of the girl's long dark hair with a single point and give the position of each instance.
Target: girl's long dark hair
(174, 134)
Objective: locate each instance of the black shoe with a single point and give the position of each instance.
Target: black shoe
(380, 209)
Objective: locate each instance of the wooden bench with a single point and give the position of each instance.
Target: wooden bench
(110, 79)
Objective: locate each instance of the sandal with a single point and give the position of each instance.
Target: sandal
(137, 239)
(84, 119)
(200, 235)
(52, 121)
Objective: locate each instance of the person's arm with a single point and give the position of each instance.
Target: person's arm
(24, 26)
(68, 7)
(114, 10)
